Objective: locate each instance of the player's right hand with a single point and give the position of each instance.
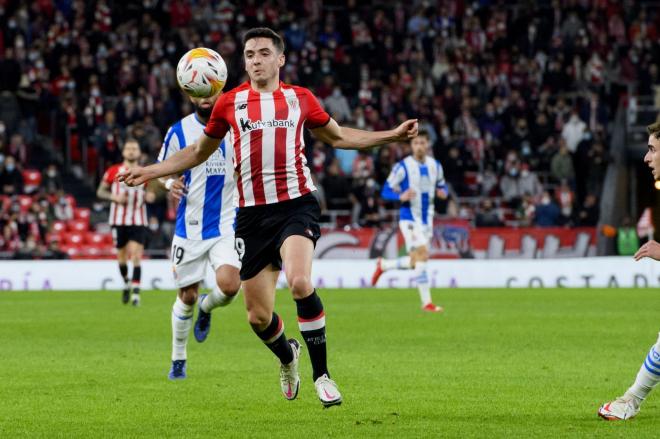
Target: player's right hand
(178, 189)
(649, 250)
(133, 176)
(407, 195)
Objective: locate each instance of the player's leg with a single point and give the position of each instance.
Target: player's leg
(401, 263)
(297, 252)
(259, 292)
(119, 239)
(136, 251)
(182, 312)
(628, 405)
(226, 287)
(421, 256)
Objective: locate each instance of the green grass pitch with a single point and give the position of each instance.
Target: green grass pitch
(498, 363)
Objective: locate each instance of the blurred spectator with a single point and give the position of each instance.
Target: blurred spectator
(51, 180)
(566, 198)
(587, 214)
(337, 105)
(487, 216)
(11, 179)
(156, 239)
(573, 131)
(53, 251)
(528, 182)
(63, 208)
(561, 166)
(546, 212)
(627, 241)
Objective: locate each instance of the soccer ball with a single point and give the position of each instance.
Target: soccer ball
(201, 73)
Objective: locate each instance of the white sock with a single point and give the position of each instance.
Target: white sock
(402, 263)
(181, 324)
(649, 374)
(423, 283)
(215, 299)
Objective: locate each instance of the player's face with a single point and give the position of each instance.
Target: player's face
(420, 146)
(262, 59)
(131, 151)
(652, 157)
(204, 106)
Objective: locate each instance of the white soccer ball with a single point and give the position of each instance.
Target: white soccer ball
(201, 73)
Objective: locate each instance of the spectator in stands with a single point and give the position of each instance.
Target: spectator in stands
(156, 239)
(53, 251)
(337, 105)
(587, 215)
(566, 197)
(51, 181)
(597, 168)
(546, 212)
(561, 166)
(63, 208)
(18, 148)
(338, 189)
(573, 131)
(487, 216)
(528, 182)
(11, 179)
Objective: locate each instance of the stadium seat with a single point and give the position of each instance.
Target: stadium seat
(81, 213)
(59, 226)
(31, 180)
(78, 225)
(528, 245)
(71, 200)
(551, 246)
(93, 238)
(74, 239)
(72, 251)
(495, 247)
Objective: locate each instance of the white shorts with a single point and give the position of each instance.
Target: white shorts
(415, 234)
(191, 258)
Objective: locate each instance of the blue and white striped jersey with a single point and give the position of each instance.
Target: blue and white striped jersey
(207, 210)
(424, 178)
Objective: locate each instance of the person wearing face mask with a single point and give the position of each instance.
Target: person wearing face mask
(11, 179)
(51, 181)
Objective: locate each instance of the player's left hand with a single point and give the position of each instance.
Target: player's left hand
(178, 188)
(407, 130)
(649, 250)
(133, 176)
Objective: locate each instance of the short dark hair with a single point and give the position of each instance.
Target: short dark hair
(424, 133)
(654, 130)
(265, 32)
(132, 140)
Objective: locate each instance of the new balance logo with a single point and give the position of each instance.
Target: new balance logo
(248, 125)
(241, 107)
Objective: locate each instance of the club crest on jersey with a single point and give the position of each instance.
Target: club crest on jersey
(248, 125)
(293, 103)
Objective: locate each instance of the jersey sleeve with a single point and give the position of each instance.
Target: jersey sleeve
(217, 125)
(110, 175)
(170, 145)
(315, 116)
(392, 187)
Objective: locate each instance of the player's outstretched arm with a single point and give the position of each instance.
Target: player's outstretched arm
(649, 250)
(186, 158)
(351, 138)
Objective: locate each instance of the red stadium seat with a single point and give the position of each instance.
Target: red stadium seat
(74, 239)
(81, 213)
(73, 251)
(71, 200)
(59, 226)
(94, 238)
(78, 225)
(31, 180)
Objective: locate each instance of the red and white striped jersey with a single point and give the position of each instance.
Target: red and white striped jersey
(269, 149)
(134, 212)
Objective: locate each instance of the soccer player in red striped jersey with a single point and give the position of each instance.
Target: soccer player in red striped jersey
(128, 218)
(277, 221)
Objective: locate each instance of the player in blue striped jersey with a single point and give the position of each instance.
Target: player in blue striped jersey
(204, 231)
(415, 181)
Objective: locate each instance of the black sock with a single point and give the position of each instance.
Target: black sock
(137, 274)
(311, 321)
(273, 337)
(123, 270)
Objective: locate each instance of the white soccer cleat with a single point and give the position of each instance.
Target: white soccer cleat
(623, 408)
(327, 391)
(135, 299)
(289, 378)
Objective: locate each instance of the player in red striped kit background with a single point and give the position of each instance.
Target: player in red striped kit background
(277, 221)
(128, 218)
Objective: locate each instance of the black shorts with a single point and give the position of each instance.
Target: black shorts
(261, 230)
(122, 234)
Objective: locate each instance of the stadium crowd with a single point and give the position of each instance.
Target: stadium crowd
(516, 99)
